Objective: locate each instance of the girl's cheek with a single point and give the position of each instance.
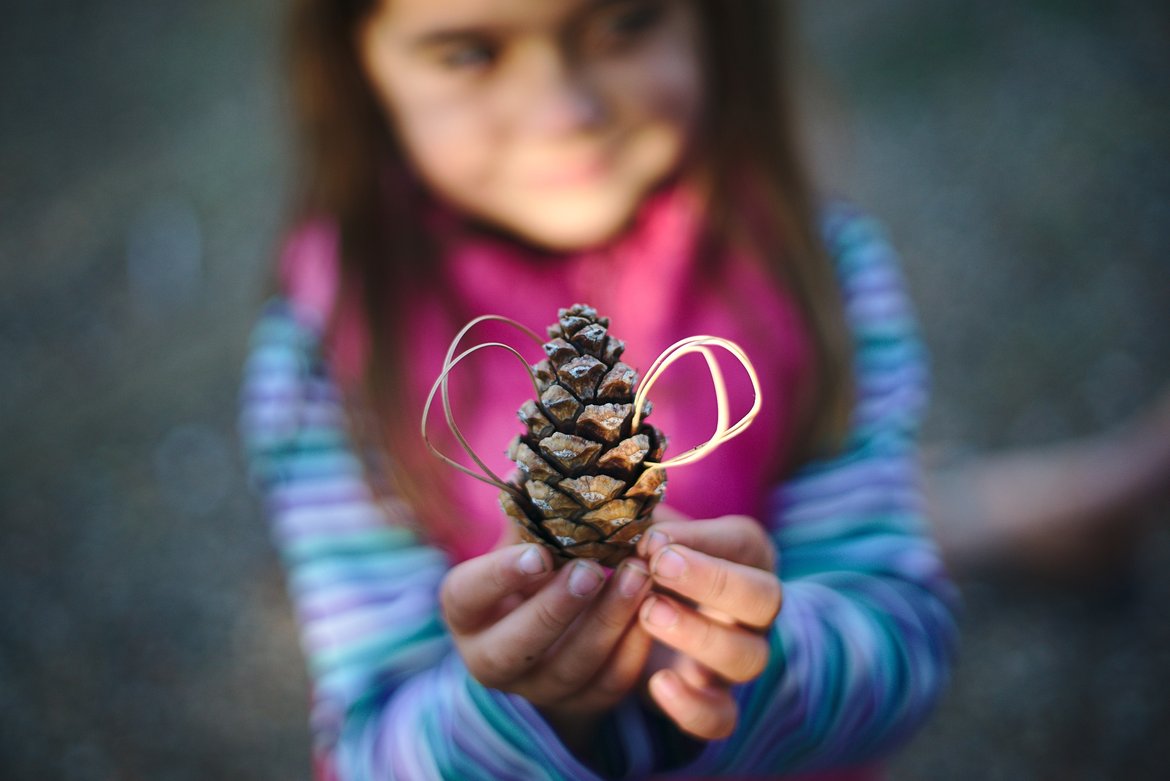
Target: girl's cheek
(448, 141)
(451, 168)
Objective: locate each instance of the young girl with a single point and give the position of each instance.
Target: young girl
(787, 613)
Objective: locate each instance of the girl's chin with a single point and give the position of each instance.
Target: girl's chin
(569, 227)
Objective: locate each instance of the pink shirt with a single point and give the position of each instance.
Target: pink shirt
(649, 285)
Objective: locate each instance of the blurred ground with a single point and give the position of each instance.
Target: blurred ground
(1015, 150)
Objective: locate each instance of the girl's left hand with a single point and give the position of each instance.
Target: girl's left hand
(726, 596)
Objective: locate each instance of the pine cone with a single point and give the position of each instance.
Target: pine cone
(583, 488)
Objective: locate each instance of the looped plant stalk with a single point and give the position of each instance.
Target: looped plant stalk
(694, 344)
(441, 383)
(723, 432)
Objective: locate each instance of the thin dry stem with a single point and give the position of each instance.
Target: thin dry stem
(723, 433)
(693, 344)
(449, 363)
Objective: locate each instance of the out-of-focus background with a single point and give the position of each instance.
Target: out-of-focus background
(1016, 150)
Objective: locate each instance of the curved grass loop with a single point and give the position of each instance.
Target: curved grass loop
(692, 344)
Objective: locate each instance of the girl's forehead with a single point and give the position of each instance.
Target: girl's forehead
(419, 15)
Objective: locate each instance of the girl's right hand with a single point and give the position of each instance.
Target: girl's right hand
(565, 640)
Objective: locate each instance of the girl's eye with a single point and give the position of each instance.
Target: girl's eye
(470, 56)
(628, 21)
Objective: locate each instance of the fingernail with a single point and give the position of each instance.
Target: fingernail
(667, 684)
(655, 540)
(583, 580)
(669, 564)
(631, 580)
(661, 613)
(531, 562)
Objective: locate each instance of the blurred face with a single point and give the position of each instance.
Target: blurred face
(547, 118)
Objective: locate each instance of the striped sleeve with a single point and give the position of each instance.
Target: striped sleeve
(390, 698)
(863, 646)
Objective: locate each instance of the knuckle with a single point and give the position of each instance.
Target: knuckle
(718, 584)
(610, 622)
(490, 670)
(607, 695)
(500, 575)
(705, 633)
(749, 536)
(752, 660)
(746, 528)
(560, 679)
(763, 604)
(725, 725)
(762, 552)
(773, 601)
(766, 549)
(710, 723)
(548, 620)
(445, 591)
(447, 596)
(770, 558)
(609, 688)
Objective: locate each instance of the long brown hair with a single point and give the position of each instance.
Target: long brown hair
(352, 172)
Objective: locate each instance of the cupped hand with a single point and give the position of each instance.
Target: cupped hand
(566, 640)
(724, 596)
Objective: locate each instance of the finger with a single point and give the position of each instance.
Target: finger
(664, 513)
(696, 674)
(515, 599)
(584, 649)
(733, 537)
(509, 648)
(730, 651)
(621, 672)
(708, 713)
(750, 596)
(472, 590)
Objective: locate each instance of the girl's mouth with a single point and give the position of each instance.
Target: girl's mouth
(577, 173)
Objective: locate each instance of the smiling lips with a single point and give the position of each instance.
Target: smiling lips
(572, 174)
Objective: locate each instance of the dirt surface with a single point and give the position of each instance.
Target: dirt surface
(1015, 150)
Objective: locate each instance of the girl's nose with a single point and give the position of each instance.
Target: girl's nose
(560, 100)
